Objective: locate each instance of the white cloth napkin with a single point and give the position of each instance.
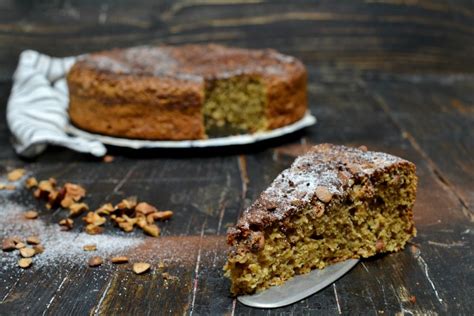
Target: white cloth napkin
(37, 107)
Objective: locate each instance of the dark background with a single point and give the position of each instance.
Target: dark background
(395, 75)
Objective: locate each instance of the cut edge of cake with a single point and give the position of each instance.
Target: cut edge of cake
(334, 203)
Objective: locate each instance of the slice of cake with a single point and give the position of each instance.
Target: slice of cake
(185, 92)
(332, 204)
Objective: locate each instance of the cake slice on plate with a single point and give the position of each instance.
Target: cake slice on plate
(332, 204)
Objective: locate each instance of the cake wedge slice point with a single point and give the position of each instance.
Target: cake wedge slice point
(332, 204)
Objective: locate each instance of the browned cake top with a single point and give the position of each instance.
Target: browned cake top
(193, 62)
(321, 174)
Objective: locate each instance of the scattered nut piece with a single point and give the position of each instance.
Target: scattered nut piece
(25, 262)
(91, 247)
(105, 209)
(126, 226)
(140, 267)
(8, 244)
(38, 249)
(16, 174)
(168, 277)
(92, 229)
(323, 194)
(108, 158)
(152, 230)
(119, 259)
(145, 208)
(75, 191)
(161, 215)
(66, 223)
(20, 245)
(128, 203)
(27, 252)
(94, 218)
(33, 240)
(31, 182)
(95, 261)
(379, 245)
(76, 209)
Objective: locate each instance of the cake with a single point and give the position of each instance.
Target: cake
(185, 92)
(332, 204)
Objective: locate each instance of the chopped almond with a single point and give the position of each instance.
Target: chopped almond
(140, 267)
(76, 209)
(92, 229)
(161, 215)
(31, 214)
(31, 182)
(108, 158)
(90, 247)
(128, 203)
(94, 218)
(119, 259)
(8, 244)
(33, 240)
(95, 261)
(27, 252)
(105, 209)
(152, 230)
(20, 245)
(145, 208)
(25, 263)
(16, 174)
(38, 249)
(66, 223)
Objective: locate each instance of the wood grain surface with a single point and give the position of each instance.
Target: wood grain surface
(395, 76)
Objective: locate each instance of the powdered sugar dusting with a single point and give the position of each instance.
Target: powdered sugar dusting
(60, 246)
(332, 168)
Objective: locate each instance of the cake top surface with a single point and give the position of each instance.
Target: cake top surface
(192, 62)
(322, 173)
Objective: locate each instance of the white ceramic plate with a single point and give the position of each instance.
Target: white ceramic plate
(244, 139)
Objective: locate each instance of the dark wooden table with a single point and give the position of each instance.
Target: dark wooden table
(396, 76)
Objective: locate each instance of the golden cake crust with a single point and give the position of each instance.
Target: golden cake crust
(158, 92)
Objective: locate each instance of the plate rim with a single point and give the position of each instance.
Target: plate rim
(234, 140)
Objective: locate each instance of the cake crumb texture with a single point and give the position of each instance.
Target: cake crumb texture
(334, 203)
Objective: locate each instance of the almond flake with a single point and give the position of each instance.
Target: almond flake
(33, 240)
(140, 267)
(95, 261)
(91, 247)
(119, 259)
(27, 252)
(25, 262)
(16, 174)
(20, 245)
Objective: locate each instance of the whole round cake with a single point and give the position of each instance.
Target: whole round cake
(185, 92)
